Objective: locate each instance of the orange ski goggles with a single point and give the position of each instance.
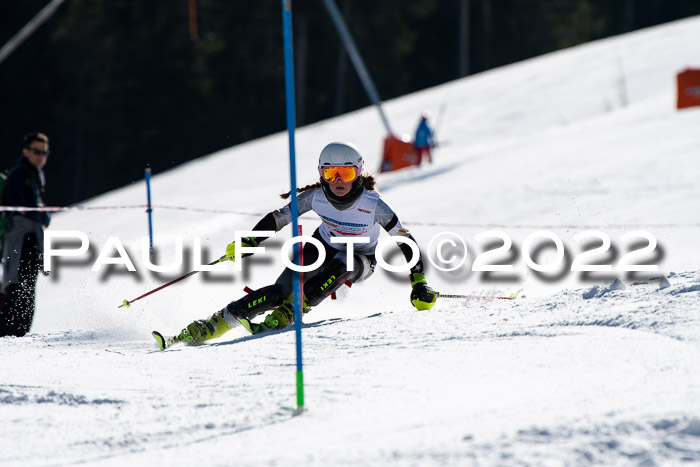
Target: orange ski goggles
(347, 173)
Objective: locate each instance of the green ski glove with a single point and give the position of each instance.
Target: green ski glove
(247, 242)
(422, 296)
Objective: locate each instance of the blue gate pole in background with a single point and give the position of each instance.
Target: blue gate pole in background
(291, 124)
(149, 210)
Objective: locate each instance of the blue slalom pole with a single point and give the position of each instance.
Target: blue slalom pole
(149, 210)
(291, 124)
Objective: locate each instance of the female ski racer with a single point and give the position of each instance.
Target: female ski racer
(348, 205)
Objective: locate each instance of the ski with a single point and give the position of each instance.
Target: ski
(255, 328)
(162, 342)
(246, 324)
(249, 326)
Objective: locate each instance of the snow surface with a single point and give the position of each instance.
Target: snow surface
(582, 368)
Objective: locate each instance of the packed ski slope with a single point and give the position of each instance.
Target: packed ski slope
(582, 368)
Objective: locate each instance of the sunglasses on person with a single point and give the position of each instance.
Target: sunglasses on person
(347, 173)
(39, 152)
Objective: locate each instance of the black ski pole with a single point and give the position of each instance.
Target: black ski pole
(478, 297)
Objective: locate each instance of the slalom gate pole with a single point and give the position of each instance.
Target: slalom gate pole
(291, 124)
(299, 302)
(127, 303)
(301, 274)
(149, 209)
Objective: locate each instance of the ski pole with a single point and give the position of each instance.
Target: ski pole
(438, 120)
(478, 297)
(127, 303)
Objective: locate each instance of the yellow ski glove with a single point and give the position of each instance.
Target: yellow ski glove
(247, 242)
(422, 296)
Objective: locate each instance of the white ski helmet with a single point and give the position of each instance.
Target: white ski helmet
(340, 153)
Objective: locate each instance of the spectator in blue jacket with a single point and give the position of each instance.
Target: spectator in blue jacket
(424, 139)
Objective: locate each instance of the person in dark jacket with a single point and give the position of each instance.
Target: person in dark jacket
(23, 243)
